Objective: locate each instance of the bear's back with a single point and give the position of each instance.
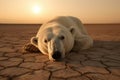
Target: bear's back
(66, 21)
(69, 21)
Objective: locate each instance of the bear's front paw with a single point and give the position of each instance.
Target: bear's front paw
(31, 48)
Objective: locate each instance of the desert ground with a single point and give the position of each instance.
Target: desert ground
(101, 62)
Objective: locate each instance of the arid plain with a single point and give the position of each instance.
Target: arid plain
(101, 62)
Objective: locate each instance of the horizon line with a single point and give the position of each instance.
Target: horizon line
(43, 23)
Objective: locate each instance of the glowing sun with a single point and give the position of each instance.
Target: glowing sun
(36, 9)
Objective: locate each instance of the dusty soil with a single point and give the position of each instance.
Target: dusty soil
(101, 62)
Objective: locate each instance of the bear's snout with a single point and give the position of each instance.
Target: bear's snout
(56, 55)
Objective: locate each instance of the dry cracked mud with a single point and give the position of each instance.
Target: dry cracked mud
(101, 62)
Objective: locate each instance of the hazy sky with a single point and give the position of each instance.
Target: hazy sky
(38, 11)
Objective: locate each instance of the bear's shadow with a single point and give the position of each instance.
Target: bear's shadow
(102, 54)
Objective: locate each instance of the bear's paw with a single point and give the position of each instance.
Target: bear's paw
(30, 48)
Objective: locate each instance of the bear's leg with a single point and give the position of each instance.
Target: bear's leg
(82, 43)
(30, 48)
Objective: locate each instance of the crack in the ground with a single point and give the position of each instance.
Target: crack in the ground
(49, 78)
(75, 70)
(103, 64)
(111, 58)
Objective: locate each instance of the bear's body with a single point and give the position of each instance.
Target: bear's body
(61, 35)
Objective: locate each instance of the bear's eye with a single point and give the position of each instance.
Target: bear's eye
(45, 41)
(62, 37)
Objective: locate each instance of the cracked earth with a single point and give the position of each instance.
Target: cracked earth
(101, 62)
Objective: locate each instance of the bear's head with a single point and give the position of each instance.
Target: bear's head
(55, 41)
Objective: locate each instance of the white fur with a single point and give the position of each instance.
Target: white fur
(70, 27)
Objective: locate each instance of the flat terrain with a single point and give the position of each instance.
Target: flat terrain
(101, 62)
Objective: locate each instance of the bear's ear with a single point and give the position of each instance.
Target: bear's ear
(72, 30)
(34, 41)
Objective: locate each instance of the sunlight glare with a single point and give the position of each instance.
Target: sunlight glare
(36, 9)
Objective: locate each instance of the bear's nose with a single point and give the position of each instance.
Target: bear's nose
(56, 55)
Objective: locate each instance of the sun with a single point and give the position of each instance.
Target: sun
(36, 9)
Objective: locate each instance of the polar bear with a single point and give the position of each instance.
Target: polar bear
(59, 36)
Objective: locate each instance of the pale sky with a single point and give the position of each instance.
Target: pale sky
(39, 11)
